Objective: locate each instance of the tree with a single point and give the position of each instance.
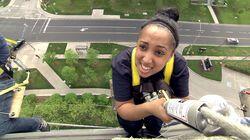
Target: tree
(114, 52)
(49, 57)
(102, 100)
(69, 74)
(89, 75)
(71, 57)
(108, 75)
(28, 105)
(87, 96)
(70, 98)
(91, 57)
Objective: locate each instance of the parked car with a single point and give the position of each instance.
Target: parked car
(233, 41)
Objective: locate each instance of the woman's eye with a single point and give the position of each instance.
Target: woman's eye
(143, 47)
(160, 53)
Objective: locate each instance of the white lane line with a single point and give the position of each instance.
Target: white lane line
(200, 30)
(92, 27)
(187, 29)
(35, 23)
(215, 31)
(43, 25)
(44, 30)
(243, 32)
(229, 32)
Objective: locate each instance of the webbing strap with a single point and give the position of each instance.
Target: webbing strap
(1, 71)
(135, 75)
(169, 70)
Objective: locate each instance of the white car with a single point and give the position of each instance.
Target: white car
(234, 41)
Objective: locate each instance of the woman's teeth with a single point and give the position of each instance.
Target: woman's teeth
(145, 68)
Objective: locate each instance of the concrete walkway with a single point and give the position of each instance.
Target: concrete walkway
(28, 56)
(211, 10)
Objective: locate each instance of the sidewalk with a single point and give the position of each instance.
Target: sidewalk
(27, 56)
(211, 10)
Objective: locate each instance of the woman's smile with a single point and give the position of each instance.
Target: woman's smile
(145, 69)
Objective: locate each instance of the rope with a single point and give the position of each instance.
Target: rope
(232, 128)
(76, 125)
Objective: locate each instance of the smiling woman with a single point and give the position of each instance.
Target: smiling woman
(140, 72)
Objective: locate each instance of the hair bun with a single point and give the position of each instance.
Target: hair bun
(170, 12)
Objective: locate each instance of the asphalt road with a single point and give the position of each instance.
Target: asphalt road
(50, 30)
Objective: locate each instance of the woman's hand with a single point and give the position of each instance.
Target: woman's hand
(156, 108)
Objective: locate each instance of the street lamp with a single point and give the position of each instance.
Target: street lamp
(200, 25)
(24, 29)
(199, 33)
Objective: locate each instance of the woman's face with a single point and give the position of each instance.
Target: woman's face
(154, 49)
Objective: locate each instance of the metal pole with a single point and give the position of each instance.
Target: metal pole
(200, 25)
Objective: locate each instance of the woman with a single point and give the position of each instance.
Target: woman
(153, 59)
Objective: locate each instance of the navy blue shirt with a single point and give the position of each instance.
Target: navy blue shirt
(122, 76)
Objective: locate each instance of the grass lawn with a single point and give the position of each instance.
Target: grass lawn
(4, 3)
(58, 48)
(102, 67)
(242, 66)
(135, 8)
(37, 81)
(237, 12)
(107, 48)
(217, 51)
(214, 74)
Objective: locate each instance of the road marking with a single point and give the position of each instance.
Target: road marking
(35, 23)
(243, 32)
(200, 30)
(187, 29)
(92, 27)
(229, 32)
(87, 32)
(91, 33)
(83, 29)
(215, 31)
(44, 30)
(43, 25)
(211, 37)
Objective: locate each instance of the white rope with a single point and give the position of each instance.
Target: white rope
(76, 125)
(231, 128)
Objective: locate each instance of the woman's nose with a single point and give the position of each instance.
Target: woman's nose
(147, 58)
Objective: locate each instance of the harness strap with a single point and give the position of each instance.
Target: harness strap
(135, 75)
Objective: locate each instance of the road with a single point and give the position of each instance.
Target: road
(124, 30)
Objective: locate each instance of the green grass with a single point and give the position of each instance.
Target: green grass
(58, 48)
(107, 48)
(217, 51)
(237, 12)
(4, 3)
(214, 74)
(37, 81)
(102, 67)
(134, 8)
(242, 66)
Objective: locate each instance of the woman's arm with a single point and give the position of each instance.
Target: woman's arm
(129, 111)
